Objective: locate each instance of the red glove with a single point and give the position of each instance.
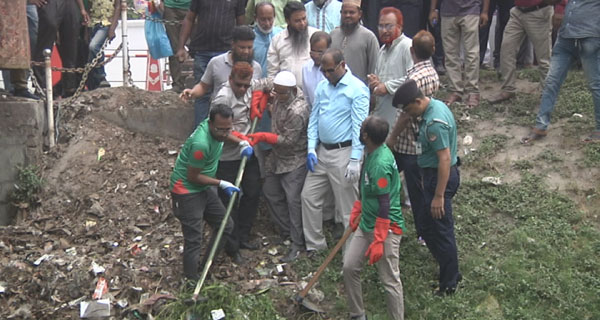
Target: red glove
(355, 215)
(380, 233)
(258, 104)
(240, 136)
(268, 137)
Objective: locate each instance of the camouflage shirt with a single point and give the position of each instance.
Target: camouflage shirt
(289, 121)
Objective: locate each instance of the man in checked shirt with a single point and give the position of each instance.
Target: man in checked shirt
(402, 139)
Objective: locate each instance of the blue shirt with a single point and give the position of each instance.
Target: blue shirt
(261, 47)
(311, 76)
(581, 20)
(326, 18)
(338, 113)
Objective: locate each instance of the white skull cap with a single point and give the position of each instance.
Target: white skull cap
(285, 78)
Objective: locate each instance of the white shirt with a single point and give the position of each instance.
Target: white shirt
(282, 56)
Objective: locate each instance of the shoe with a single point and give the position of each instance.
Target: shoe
(338, 231)
(291, 256)
(534, 135)
(24, 93)
(594, 137)
(237, 258)
(502, 96)
(452, 98)
(311, 254)
(248, 245)
(421, 241)
(444, 292)
(363, 317)
(104, 84)
(473, 100)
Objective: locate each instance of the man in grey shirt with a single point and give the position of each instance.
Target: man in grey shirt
(359, 44)
(219, 68)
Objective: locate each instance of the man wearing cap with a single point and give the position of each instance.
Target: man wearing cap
(439, 163)
(334, 147)
(237, 93)
(402, 140)
(191, 183)
(358, 43)
(290, 48)
(392, 64)
(377, 222)
(285, 168)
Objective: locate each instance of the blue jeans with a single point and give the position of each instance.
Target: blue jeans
(202, 104)
(564, 53)
(97, 37)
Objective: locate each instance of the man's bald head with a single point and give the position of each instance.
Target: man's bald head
(423, 45)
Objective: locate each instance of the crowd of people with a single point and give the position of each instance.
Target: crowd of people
(328, 102)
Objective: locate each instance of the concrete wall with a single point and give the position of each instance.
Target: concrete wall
(21, 141)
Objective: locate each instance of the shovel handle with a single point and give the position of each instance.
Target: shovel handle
(325, 263)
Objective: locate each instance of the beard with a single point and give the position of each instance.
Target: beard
(236, 57)
(265, 31)
(299, 39)
(348, 27)
(391, 39)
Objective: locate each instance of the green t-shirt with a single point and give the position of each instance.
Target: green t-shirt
(437, 131)
(200, 150)
(380, 176)
(178, 4)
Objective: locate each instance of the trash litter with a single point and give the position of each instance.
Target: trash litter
(493, 180)
(122, 303)
(96, 268)
(41, 259)
(71, 251)
(96, 308)
(137, 239)
(2, 287)
(279, 268)
(577, 115)
(172, 152)
(101, 153)
(218, 314)
(135, 250)
(273, 251)
(467, 140)
(101, 289)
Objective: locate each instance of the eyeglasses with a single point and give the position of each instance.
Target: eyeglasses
(332, 70)
(386, 27)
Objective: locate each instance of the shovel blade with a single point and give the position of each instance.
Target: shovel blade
(307, 304)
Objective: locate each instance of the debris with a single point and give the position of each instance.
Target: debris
(577, 115)
(101, 289)
(218, 314)
(123, 303)
(172, 152)
(273, 251)
(467, 140)
(101, 153)
(157, 209)
(41, 259)
(24, 312)
(96, 268)
(137, 239)
(71, 251)
(96, 308)
(2, 287)
(492, 180)
(279, 268)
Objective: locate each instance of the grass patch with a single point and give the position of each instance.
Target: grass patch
(549, 156)
(574, 97)
(530, 74)
(478, 160)
(592, 155)
(29, 184)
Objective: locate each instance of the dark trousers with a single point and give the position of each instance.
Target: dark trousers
(244, 212)
(407, 163)
(58, 16)
(436, 31)
(504, 7)
(191, 209)
(412, 12)
(439, 234)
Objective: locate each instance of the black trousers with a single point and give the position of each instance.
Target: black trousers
(192, 210)
(407, 163)
(243, 212)
(504, 7)
(60, 16)
(439, 234)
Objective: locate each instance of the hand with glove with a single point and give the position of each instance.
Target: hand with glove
(240, 136)
(380, 233)
(353, 170)
(355, 215)
(228, 187)
(311, 160)
(267, 137)
(258, 104)
(245, 149)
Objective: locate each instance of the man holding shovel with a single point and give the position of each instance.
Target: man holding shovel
(378, 223)
(191, 183)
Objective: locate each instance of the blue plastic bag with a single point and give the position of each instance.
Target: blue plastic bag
(156, 37)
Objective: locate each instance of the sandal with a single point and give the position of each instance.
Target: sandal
(473, 100)
(534, 135)
(452, 98)
(594, 137)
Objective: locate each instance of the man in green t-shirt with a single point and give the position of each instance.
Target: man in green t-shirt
(438, 161)
(191, 185)
(377, 221)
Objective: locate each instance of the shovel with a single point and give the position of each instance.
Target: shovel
(300, 297)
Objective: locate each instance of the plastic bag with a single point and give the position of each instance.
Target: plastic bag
(156, 37)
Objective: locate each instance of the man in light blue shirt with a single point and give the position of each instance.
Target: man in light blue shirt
(311, 70)
(264, 29)
(334, 147)
(323, 14)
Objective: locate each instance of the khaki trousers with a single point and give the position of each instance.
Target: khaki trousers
(173, 34)
(455, 30)
(387, 268)
(537, 26)
(328, 175)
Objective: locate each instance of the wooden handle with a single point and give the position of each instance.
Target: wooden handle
(332, 254)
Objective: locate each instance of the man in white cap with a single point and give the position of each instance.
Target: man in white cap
(359, 44)
(284, 163)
